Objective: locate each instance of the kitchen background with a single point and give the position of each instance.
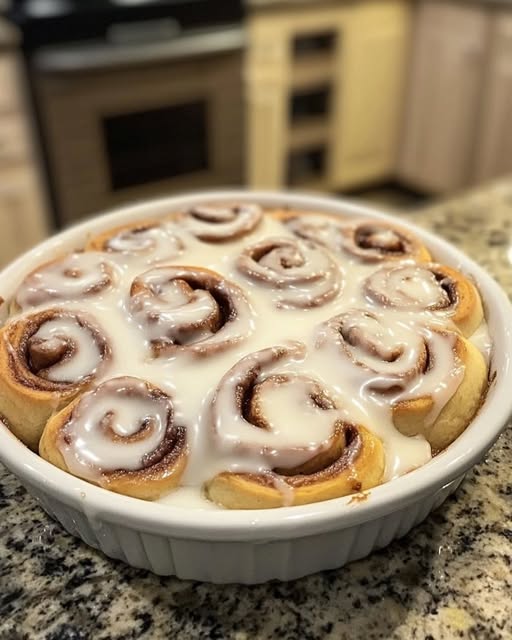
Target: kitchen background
(108, 101)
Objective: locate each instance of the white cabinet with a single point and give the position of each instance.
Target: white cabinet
(493, 150)
(444, 96)
(22, 223)
(325, 90)
(374, 65)
(293, 73)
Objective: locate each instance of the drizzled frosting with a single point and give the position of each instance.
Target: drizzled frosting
(300, 274)
(380, 241)
(368, 241)
(273, 413)
(149, 241)
(194, 309)
(391, 353)
(66, 348)
(69, 278)
(411, 287)
(222, 221)
(57, 348)
(118, 425)
(292, 316)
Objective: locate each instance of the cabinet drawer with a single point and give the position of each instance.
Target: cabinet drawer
(9, 98)
(22, 215)
(13, 139)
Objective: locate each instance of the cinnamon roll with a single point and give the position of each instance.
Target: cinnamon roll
(73, 277)
(46, 359)
(369, 241)
(146, 238)
(431, 379)
(427, 287)
(300, 274)
(296, 426)
(220, 222)
(189, 309)
(122, 436)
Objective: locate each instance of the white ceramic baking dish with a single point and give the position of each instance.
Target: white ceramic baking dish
(255, 546)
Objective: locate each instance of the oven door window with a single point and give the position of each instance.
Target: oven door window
(157, 144)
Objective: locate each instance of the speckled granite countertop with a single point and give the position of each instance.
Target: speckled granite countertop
(449, 578)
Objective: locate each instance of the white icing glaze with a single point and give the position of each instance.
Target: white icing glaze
(296, 427)
(483, 342)
(98, 435)
(221, 222)
(191, 382)
(152, 244)
(367, 240)
(325, 231)
(407, 287)
(185, 307)
(70, 278)
(392, 349)
(85, 357)
(300, 273)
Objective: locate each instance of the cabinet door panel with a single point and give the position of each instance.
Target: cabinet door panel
(444, 94)
(9, 99)
(292, 51)
(22, 219)
(374, 54)
(494, 147)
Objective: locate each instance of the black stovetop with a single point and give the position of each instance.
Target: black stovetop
(44, 22)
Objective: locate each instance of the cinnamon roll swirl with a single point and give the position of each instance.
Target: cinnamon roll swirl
(121, 435)
(220, 222)
(189, 309)
(72, 277)
(427, 287)
(296, 426)
(369, 241)
(431, 379)
(300, 274)
(390, 354)
(46, 359)
(152, 238)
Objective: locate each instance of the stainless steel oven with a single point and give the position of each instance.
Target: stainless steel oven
(152, 106)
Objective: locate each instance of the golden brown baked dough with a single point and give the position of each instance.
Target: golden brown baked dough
(369, 241)
(359, 466)
(29, 393)
(160, 468)
(350, 460)
(411, 417)
(454, 294)
(396, 364)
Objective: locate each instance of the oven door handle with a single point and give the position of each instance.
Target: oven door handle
(103, 55)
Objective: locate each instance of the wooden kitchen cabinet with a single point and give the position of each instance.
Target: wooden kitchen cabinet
(22, 223)
(374, 67)
(23, 219)
(325, 88)
(444, 96)
(493, 149)
(9, 94)
(292, 51)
